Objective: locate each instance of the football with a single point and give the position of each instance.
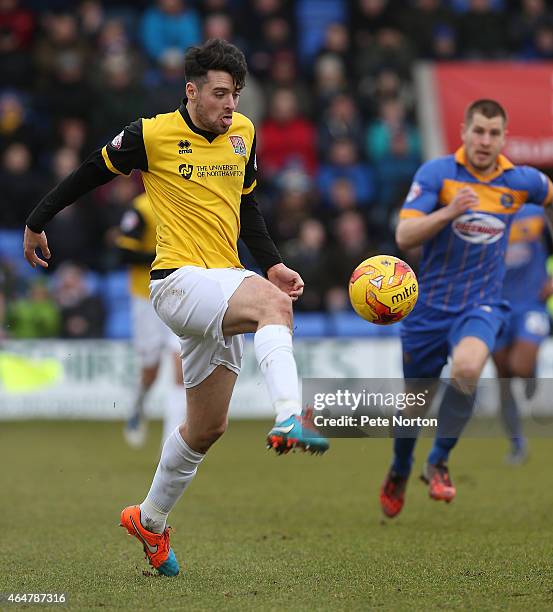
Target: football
(383, 289)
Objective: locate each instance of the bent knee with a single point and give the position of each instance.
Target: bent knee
(465, 373)
(276, 304)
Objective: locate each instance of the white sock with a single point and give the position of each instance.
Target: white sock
(177, 466)
(175, 410)
(273, 349)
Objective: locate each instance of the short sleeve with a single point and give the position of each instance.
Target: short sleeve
(250, 175)
(423, 195)
(540, 188)
(126, 151)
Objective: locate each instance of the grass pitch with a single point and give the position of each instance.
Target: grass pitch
(261, 532)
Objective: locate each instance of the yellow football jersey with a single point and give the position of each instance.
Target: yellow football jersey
(138, 234)
(194, 181)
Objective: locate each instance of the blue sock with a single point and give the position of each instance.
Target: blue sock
(405, 439)
(455, 412)
(510, 412)
(403, 455)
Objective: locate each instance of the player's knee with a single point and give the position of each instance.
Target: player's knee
(465, 373)
(277, 306)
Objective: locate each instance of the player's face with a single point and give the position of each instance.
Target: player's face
(483, 139)
(214, 101)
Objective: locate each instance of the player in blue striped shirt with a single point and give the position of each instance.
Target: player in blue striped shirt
(526, 286)
(459, 209)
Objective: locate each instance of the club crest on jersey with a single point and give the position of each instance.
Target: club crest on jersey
(117, 141)
(238, 145)
(507, 200)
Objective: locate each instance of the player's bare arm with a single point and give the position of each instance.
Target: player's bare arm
(414, 232)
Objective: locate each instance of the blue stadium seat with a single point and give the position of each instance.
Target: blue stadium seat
(310, 324)
(116, 286)
(11, 250)
(115, 291)
(118, 324)
(348, 324)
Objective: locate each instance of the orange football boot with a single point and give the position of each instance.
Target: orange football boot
(392, 494)
(439, 482)
(156, 545)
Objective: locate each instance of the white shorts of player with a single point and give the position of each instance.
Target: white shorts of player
(192, 302)
(151, 337)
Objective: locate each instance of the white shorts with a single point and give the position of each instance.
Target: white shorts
(192, 301)
(151, 337)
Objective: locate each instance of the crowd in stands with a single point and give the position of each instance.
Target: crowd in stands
(330, 91)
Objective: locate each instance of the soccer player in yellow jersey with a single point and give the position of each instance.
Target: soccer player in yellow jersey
(199, 170)
(151, 337)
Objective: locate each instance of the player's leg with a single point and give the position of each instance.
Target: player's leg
(523, 358)
(424, 355)
(258, 306)
(175, 408)
(472, 337)
(183, 451)
(147, 345)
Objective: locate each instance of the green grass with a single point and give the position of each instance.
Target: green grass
(261, 532)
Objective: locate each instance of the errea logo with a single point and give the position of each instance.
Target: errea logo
(185, 146)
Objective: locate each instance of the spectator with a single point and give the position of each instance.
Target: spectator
(341, 119)
(393, 145)
(34, 316)
(341, 196)
(82, 313)
(389, 48)
(330, 80)
(350, 248)
(119, 100)
(542, 44)
(313, 18)
(91, 18)
(306, 254)
(17, 26)
(75, 232)
(170, 24)
(17, 120)
(286, 138)
(268, 26)
(21, 186)
(276, 38)
(283, 74)
(59, 45)
(165, 89)
(422, 22)
(344, 164)
(337, 44)
(65, 91)
(293, 205)
(524, 24)
(482, 17)
(370, 17)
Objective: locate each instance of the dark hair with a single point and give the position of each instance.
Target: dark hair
(488, 108)
(215, 54)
